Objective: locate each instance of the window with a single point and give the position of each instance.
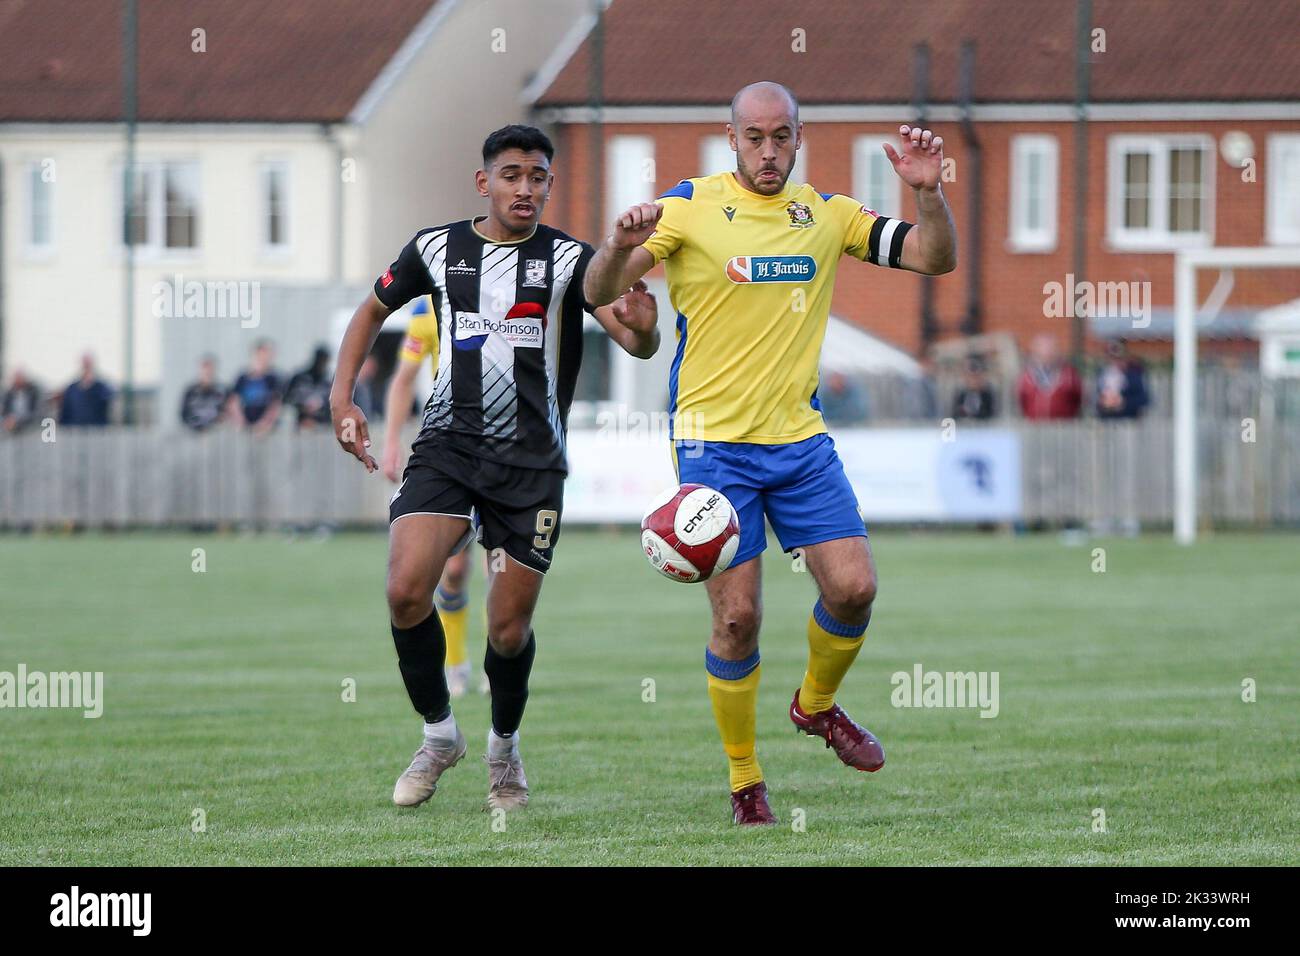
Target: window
(875, 184)
(163, 211)
(717, 156)
(40, 206)
(275, 206)
(1033, 193)
(1160, 191)
(1283, 214)
(629, 173)
(594, 382)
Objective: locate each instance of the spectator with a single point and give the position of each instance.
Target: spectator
(1121, 384)
(309, 391)
(364, 394)
(1049, 387)
(842, 401)
(920, 397)
(86, 401)
(21, 403)
(974, 400)
(201, 407)
(255, 397)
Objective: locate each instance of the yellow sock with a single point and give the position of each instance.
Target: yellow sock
(453, 609)
(832, 646)
(733, 691)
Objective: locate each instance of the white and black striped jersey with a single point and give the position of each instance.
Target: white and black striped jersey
(510, 320)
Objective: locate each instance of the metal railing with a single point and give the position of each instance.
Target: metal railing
(1089, 471)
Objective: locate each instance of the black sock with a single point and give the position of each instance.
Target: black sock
(421, 654)
(509, 679)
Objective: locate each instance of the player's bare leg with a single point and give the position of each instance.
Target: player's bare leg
(513, 590)
(452, 601)
(418, 548)
(735, 596)
(846, 579)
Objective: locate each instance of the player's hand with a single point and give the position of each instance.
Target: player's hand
(637, 309)
(353, 433)
(636, 225)
(921, 160)
(392, 460)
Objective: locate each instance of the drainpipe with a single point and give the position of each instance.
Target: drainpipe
(129, 97)
(596, 129)
(929, 326)
(3, 350)
(1081, 82)
(971, 322)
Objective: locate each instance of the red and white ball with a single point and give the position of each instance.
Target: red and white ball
(690, 533)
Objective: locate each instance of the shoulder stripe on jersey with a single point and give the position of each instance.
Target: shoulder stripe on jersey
(685, 190)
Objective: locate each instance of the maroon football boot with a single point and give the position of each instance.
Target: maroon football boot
(749, 806)
(854, 745)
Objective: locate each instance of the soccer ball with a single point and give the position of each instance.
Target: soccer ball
(690, 533)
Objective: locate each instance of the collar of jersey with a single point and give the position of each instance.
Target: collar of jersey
(787, 191)
(473, 224)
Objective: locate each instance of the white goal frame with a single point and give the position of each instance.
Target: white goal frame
(1186, 264)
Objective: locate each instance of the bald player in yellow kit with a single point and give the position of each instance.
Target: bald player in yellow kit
(750, 260)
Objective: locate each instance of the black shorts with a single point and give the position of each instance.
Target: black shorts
(512, 508)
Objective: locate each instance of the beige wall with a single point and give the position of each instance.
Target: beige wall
(69, 300)
(422, 143)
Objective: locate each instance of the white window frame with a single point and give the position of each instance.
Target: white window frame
(264, 171)
(1277, 231)
(628, 179)
(1157, 237)
(154, 246)
(1021, 236)
(865, 150)
(714, 145)
(32, 248)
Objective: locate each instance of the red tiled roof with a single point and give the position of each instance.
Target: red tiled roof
(275, 60)
(678, 52)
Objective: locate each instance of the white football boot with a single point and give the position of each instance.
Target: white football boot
(419, 781)
(507, 786)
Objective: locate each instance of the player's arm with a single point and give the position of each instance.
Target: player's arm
(632, 321)
(350, 427)
(622, 259)
(930, 247)
(398, 405)
(406, 279)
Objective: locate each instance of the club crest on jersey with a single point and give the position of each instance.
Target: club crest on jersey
(771, 268)
(535, 273)
(523, 327)
(801, 216)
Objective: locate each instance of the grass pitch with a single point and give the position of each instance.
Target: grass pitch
(1119, 691)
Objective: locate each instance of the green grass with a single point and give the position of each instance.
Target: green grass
(1119, 690)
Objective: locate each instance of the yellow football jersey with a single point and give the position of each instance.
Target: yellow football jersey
(421, 338)
(751, 279)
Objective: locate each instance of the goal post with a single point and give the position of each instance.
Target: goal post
(1186, 264)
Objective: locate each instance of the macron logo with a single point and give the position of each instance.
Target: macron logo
(103, 909)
